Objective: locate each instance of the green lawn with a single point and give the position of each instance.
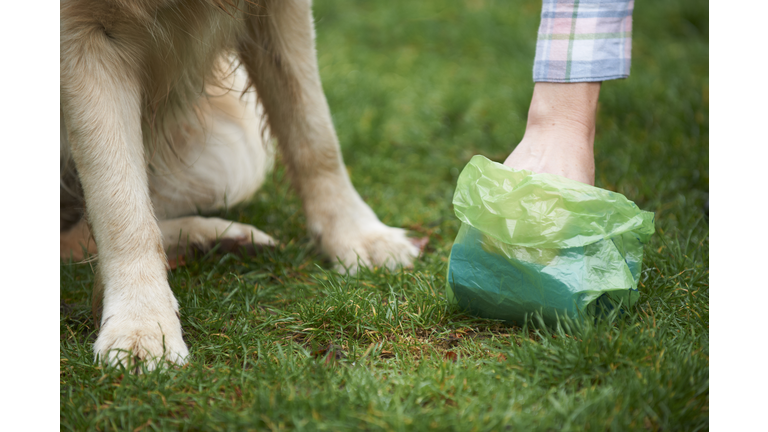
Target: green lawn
(416, 88)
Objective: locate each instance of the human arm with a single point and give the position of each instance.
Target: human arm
(560, 133)
(580, 44)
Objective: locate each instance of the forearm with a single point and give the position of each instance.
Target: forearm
(564, 108)
(580, 45)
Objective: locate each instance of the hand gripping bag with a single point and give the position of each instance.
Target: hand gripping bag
(540, 242)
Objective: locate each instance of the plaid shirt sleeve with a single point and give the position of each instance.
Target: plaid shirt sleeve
(584, 40)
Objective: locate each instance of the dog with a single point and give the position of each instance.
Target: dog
(168, 109)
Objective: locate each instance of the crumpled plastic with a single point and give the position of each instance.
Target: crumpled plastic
(540, 242)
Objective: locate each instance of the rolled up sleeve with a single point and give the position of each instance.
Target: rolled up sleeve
(584, 41)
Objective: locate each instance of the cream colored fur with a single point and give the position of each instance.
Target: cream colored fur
(157, 124)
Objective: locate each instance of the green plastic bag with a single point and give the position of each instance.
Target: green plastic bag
(540, 242)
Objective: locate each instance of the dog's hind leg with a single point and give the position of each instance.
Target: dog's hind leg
(278, 52)
(180, 235)
(222, 159)
(203, 233)
(101, 96)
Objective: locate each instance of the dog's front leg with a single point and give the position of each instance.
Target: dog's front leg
(279, 54)
(100, 94)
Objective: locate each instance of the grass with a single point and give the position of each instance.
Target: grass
(279, 341)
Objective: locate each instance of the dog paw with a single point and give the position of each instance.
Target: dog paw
(156, 341)
(204, 233)
(241, 237)
(376, 246)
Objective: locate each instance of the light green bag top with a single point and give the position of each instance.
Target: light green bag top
(541, 242)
